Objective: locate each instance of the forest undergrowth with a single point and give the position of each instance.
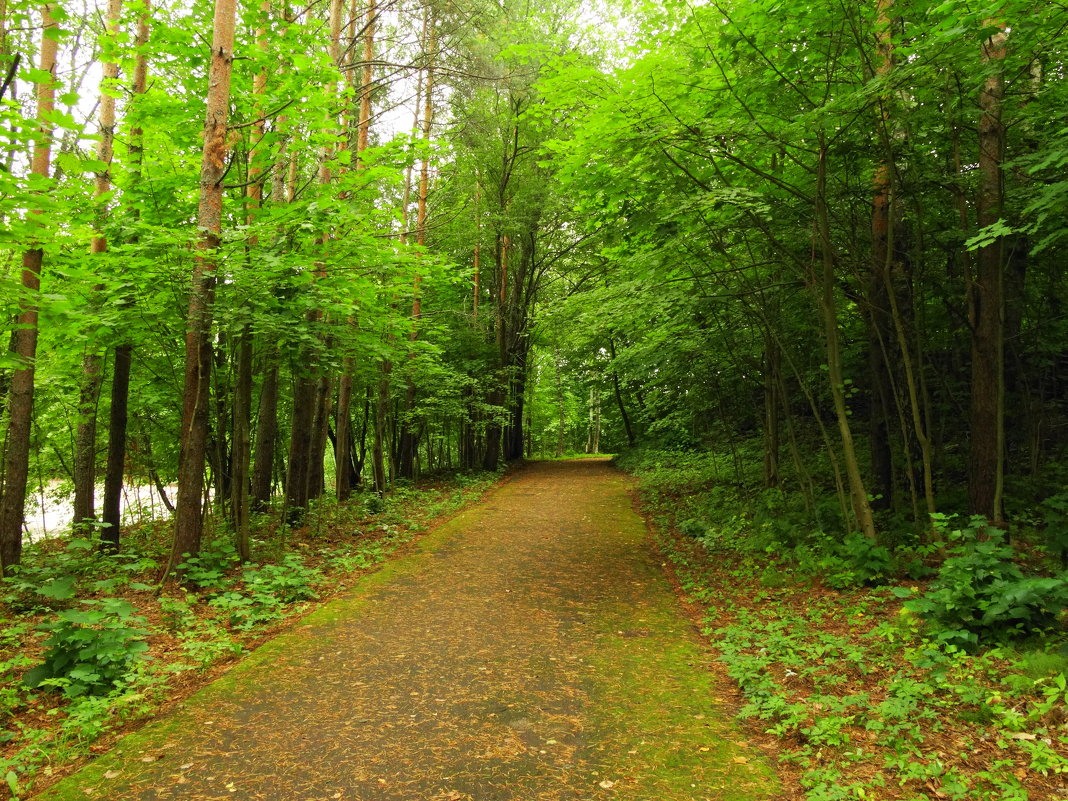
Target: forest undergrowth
(91, 646)
(911, 672)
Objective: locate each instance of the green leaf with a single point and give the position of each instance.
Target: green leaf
(58, 589)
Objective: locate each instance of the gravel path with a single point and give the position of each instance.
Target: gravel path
(530, 650)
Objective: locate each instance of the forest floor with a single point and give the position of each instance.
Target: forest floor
(529, 649)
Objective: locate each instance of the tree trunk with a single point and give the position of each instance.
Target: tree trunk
(409, 439)
(627, 427)
(242, 446)
(323, 411)
(300, 441)
(20, 405)
(84, 506)
(828, 312)
(513, 446)
(117, 425)
(986, 306)
(378, 448)
(266, 437)
(123, 358)
(772, 380)
(188, 522)
(92, 365)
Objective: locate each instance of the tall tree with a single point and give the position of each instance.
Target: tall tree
(986, 293)
(20, 405)
(188, 521)
(85, 439)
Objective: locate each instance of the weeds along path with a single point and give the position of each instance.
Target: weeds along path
(531, 650)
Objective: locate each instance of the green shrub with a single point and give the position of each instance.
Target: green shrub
(289, 582)
(210, 569)
(980, 593)
(90, 651)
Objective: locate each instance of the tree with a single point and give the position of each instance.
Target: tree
(188, 523)
(24, 336)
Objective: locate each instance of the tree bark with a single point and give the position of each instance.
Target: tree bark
(266, 437)
(188, 522)
(408, 444)
(986, 301)
(123, 358)
(20, 404)
(858, 492)
(92, 365)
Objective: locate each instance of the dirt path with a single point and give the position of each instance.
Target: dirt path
(530, 651)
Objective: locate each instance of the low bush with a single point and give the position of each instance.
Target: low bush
(981, 594)
(90, 651)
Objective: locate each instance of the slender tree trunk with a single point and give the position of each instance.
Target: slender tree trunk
(986, 307)
(300, 439)
(858, 492)
(92, 365)
(772, 438)
(343, 450)
(517, 400)
(123, 357)
(378, 448)
(617, 389)
(266, 436)
(323, 411)
(240, 489)
(20, 405)
(408, 444)
(84, 505)
(304, 437)
(188, 522)
(242, 448)
(559, 403)
(879, 361)
(219, 454)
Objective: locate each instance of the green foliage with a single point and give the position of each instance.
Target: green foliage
(1055, 512)
(289, 582)
(856, 561)
(90, 651)
(211, 569)
(981, 594)
(268, 589)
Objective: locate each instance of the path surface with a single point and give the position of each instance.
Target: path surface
(530, 651)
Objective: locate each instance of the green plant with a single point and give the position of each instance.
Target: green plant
(175, 613)
(244, 612)
(981, 594)
(288, 582)
(1055, 512)
(207, 643)
(89, 651)
(210, 569)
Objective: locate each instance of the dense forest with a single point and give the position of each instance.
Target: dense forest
(266, 259)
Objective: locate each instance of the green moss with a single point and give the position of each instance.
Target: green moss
(667, 735)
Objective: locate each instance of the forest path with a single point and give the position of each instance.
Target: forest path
(530, 650)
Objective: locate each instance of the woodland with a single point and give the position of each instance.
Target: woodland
(299, 267)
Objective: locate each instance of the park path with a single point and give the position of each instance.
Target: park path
(530, 650)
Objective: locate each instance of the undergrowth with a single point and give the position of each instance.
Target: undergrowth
(881, 671)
